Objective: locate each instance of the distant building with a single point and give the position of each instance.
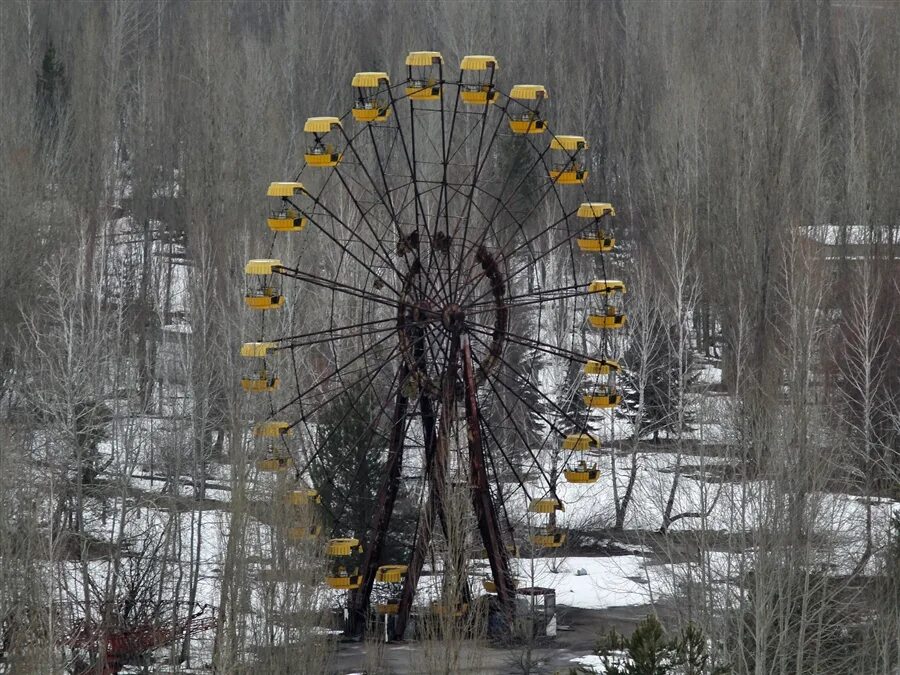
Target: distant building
(855, 242)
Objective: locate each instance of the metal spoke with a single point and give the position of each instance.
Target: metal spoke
(538, 391)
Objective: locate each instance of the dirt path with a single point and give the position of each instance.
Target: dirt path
(579, 631)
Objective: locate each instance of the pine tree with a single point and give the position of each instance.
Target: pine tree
(660, 412)
(577, 416)
(348, 455)
(646, 652)
(516, 407)
(649, 649)
(691, 650)
(649, 652)
(51, 95)
(522, 182)
(90, 422)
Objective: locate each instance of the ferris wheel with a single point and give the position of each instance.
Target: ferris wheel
(436, 232)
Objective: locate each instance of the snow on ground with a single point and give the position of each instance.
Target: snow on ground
(589, 664)
(591, 583)
(583, 582)
(594, 664)
(725, 506)
(709, 374)
(605, 582)
(617, 581)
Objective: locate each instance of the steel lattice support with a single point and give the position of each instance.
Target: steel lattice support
(438, 471)
(485, 513)
(384, 508)
(433, 510)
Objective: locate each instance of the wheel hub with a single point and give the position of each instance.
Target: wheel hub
(453, 318)
(428, 320)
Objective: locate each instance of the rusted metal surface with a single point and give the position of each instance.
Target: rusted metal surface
(384, 509)
(436, 450)
(485, 513)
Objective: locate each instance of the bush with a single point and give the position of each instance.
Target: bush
(649, 652)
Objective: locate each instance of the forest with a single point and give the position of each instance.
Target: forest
(710, 486)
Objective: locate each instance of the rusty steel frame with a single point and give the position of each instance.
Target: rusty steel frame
(384, 509)
(485, 513)
(437, 468)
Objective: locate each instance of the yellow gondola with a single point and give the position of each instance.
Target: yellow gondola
(599, 242)
(259, 380)
(322, 152)
(343, 581)
(601, 367)
(525, 118)
(582, 473)
(477, 86)
(257, 350)
(570, 169)
(284, 216)
(491, 587)
(302, 533)
(301, 500)
(391, 574)
(604, 398)
(302, 497)
(550, 505)
(262, 267)
(275, 462)
(346, 547)
(596, 244)
(343, 547)
(548, 537)
(272, 429)
(606, 286)
(602, 395)
(265, 296)
(425, 76)
(611, 318)
(372, 102)
(595, 210)
(581, 442)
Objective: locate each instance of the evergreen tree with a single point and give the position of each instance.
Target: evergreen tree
(515, 407)
(91, 421)
(577, 416)
(51, 96)
(692, 655)
(348, 459)
(522, 180)
(646, 652)
(665, 375)
(649, 652)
